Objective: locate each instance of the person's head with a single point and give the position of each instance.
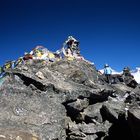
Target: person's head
(126, 69)
(106, 65)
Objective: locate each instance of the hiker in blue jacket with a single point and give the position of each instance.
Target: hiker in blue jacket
(107, 73)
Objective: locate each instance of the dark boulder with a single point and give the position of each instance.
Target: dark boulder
(134, 121)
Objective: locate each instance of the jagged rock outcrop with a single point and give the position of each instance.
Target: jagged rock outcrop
(65, 100)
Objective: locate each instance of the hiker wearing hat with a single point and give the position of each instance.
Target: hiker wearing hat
(107, 73)
(126, 72)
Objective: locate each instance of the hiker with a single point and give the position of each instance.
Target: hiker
(72, 44)
(128, 78)
(107, 73)
(126, 72)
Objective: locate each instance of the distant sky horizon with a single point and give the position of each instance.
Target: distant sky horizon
(108, 30)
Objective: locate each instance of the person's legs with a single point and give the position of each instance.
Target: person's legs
(109, 79)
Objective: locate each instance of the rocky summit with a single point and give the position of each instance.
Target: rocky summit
(66, 100)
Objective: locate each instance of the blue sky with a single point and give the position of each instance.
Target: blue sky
(108, 30)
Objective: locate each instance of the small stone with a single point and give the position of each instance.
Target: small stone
(18, 138)
(25, 68)
(40, 75)
(34, 138)
(2, 136)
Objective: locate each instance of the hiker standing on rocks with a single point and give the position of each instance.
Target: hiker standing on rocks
(107, 73)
